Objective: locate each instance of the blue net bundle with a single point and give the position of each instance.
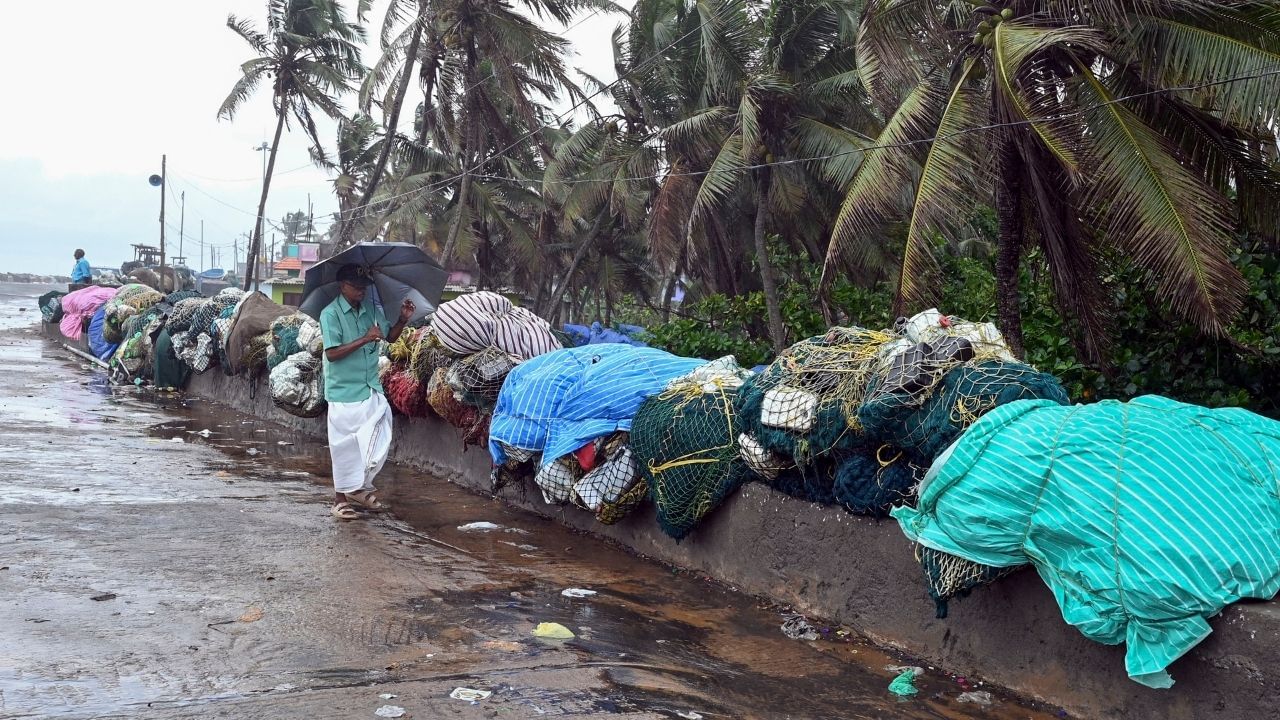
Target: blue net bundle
(924, 424)
(685, 443)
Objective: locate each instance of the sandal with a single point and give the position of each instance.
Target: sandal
(344, 511)
(367, 499)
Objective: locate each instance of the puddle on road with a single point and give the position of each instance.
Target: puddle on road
(660, 639)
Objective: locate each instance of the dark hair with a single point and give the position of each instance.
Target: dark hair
(79, 253)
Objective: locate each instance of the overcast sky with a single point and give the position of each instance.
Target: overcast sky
(96, 92)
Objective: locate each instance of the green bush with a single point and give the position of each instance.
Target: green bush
(1151, 353)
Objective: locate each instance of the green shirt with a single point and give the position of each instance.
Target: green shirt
(354, 377)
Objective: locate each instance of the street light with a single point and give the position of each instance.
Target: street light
(249, 260)
(263, 148)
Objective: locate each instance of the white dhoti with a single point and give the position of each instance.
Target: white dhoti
(359, 439)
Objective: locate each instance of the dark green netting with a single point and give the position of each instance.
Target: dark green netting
(50, 305)
(167, 370)
(811, 483)
(924, 424)
(949, 576)
(174, 298)
(815, 387)
(685, 442)
(867, 483)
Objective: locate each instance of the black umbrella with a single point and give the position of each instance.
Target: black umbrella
(399, 271)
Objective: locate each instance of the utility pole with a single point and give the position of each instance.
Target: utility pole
(201, 246)
(235, 253)
(271, 263)
(182, 222)
(311, 217)
(163, 182)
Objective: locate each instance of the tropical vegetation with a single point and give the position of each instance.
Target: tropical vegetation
(1101, 178)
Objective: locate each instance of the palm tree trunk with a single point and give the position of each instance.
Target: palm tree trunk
(255, 247)
(393, 120)
(1011, 228)
(451, 243)
(777, 331)
(579, 255)
(674, 282)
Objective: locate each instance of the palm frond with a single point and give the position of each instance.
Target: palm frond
(254, 71)
(719, 181)
(951, 176)
(668, 222)
(701, 131)
(1196, 50)
(1171, 222)
(245, 29)
(1015, 44)
(875, 195)
(838, 151)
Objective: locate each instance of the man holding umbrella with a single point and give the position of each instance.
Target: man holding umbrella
(359, 415)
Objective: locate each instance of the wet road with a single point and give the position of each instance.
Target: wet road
(149, 571)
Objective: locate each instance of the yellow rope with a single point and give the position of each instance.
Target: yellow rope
(886, 463)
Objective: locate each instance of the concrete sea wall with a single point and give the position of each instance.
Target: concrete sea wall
(861, 573)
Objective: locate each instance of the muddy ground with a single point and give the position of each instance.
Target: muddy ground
(148, 570)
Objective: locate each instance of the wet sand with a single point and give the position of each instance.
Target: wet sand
(228, 591)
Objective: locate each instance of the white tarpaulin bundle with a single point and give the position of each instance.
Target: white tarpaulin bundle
(481, 320)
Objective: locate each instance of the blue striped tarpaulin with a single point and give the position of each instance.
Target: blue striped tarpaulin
(556, 403)
(1144, 518)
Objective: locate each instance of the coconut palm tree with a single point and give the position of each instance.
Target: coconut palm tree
(799, 98)
(310, 55)
(1101, 127)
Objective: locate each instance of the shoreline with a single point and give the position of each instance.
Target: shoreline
(862, 573)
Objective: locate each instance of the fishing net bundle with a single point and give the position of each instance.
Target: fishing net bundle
(184, 312)
(803, 407)
(428, 355)
(401, 350)
(50, 305)
(291, 334)
(197, 347)
(202, 321)
(297, 385)
(218, 331)
(873, 481)
(925, 423)
(477, 379)
(950, 576)
(613, 487)
(404, 391)
(174, 298)
(129, 301)
(473, 423)
(517, 466)
(256, 352)
(686, 443)
(556, 479)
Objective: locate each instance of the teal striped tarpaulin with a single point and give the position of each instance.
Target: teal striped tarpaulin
(1144, 518)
